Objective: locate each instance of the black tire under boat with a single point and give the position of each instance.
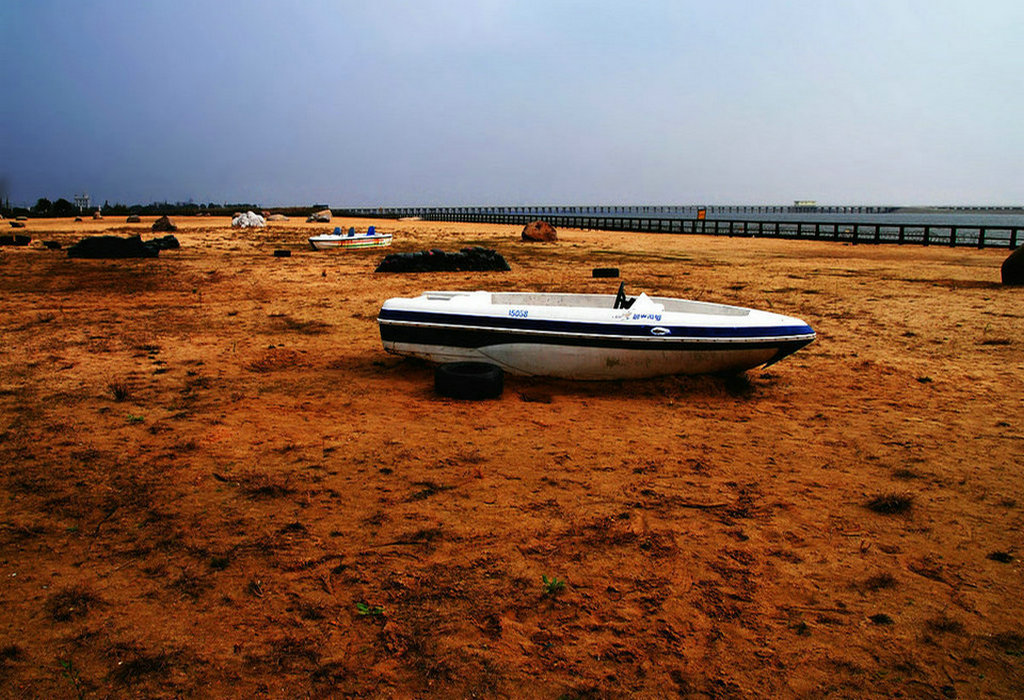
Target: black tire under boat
(469, 380)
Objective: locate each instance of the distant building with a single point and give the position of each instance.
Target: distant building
(82, 201)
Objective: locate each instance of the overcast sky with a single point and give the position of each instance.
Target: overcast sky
(462, 102)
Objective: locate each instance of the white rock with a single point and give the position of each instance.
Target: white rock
(248, 220)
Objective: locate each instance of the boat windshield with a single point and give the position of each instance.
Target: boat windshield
(606, 301)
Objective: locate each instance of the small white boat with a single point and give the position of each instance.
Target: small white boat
(350, 240)
(588, 336)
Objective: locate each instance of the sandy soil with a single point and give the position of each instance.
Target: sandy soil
(216, 483)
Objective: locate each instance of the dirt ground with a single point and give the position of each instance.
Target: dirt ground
(215, 482)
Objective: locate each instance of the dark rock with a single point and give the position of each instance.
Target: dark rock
(21, 218)
(605, 272)
(78, 219)
(167, 242)
(51, 245)
(133, 219)
(164, 223)
(282, 253)
(540, 231)
(17, 224)
(323, 216)
(112, 247)
(15, 240)
(475, 259)
(1013, 267)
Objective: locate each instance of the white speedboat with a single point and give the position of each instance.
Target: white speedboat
(350, 240)
(588, 336)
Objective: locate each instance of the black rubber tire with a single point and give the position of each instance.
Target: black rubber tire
(283, 253)
(605, 272)
(469, 380)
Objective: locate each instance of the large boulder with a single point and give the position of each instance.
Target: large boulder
(15, 239)
(164, 223)
(277, 217)
(17, 224)
(321, 217)
(1013, 267)
(112, 247)
(133, 219)
(540, 231)
(248, 220)
(468, 259)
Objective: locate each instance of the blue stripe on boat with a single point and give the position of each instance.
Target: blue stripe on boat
(465, 322)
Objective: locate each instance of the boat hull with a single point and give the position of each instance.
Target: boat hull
(596, 344)
(598, 364)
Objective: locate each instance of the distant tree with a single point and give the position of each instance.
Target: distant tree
(63, 207)
(42, 206)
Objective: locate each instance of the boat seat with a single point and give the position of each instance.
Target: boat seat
(371, 231)
(352, 231)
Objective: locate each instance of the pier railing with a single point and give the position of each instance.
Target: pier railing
(947, 234)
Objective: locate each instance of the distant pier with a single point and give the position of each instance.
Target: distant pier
(981, 227)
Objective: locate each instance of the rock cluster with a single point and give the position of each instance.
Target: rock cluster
(322, 217)
(248, 220)
(468, 259)
(115, 247)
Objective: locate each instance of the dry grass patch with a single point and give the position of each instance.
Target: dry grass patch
(70, 603)
(891, 503)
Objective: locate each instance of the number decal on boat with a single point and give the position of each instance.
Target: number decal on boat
(518, 313)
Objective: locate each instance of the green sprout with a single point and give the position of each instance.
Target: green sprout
(553, 585)
(370, 610)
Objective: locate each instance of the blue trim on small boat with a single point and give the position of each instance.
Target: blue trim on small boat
(479, 338)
